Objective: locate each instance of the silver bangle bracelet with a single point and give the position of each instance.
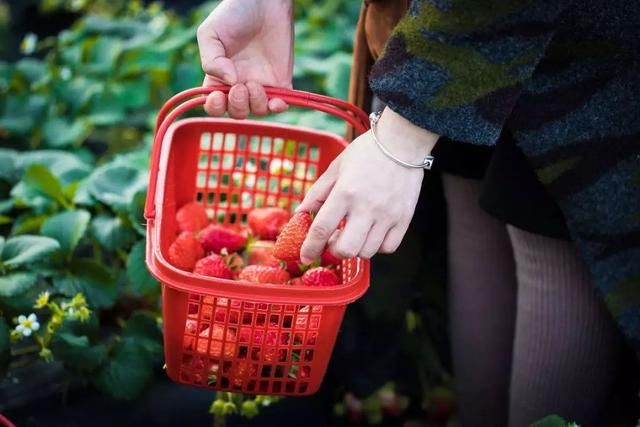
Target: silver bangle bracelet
(426, 163)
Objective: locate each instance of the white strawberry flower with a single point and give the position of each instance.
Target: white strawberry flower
(27, 324)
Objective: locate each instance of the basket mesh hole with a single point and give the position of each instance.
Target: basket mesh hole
(217, 141)
(227, 162)
(205, 141)
(277, 387)
(314, 153)
(266, 145)
(203, 160)
(225, 179)
(213, 179)
(230, 142)
(201, 179)
(215, 161)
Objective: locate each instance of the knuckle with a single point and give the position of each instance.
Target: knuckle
(319, 231)
(389, 247)
(344, 250)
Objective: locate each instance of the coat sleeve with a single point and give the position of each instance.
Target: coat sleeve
(456, 67)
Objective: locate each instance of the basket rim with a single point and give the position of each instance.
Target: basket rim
(181, 280)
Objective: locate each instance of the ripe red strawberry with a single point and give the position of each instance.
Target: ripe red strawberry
(192, 217)
(292, 236)
(185, 251)
(329, 259)
(216, 237)
(266, 223)
(264, 274)
(261, 253)
(213, 266)
(320, 276)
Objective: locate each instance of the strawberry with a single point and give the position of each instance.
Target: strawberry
(213, 266)
(320, 276)
(264, 274)
(185, 251)
(267, 222)
(192, 217)
(296, 281)
(261, 253)
(287, 247)
(329, 259)
(216, 237)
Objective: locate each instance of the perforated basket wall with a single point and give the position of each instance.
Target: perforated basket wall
(226, 335)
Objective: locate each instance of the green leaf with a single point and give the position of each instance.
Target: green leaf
(40, 180)
(76, 352)
(139, 278)
(144, 329)
(16, 283)
(27, 249)
(5, 355)
(127, 372)
(337, 80)
(550, 421)
(27, 223)
(21, 113)
(104, 54)
(6, 205)
(68, 167)
(116, 185)
(2, 240)
(136, 213)
(92, 279)
(111, 232)
(31, 69)
(133, 93)
(8, 165)
(61, 132)
(5, 220)
(67, 228)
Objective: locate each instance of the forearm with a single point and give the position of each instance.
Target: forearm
(405, 140)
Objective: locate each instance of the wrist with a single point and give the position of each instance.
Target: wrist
(403, 138)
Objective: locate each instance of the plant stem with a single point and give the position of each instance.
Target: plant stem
(25, 350)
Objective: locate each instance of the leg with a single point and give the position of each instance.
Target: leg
(482, 295)
(566, 346)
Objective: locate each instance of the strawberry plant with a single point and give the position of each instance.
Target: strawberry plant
(76, 116)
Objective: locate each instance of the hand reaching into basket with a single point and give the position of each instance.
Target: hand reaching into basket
(376, 195)
(247, 44)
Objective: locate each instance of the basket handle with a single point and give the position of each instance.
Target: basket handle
(351, 114)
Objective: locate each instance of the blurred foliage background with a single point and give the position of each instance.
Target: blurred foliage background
(80, 84)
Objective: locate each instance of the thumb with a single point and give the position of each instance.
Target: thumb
(214, 58)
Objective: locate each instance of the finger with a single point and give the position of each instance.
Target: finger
(216, 103)
(238, 102)
(277, 105)
(353, 236)
(213, 55)
(257, 99)
(319, 191)
(374, 240)
(394, 238)
(322, 227)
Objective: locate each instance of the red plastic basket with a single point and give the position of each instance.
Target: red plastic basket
(238, 336)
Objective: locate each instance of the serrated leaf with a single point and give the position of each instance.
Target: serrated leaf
(111, 232)
(144, 329)
(60, 132)
(127, 372)
(115, 185)
(92, 279)
(67, 228)
(76, 351)
(16, 283)
(27, 249)
(139, 278)
(39, 179)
